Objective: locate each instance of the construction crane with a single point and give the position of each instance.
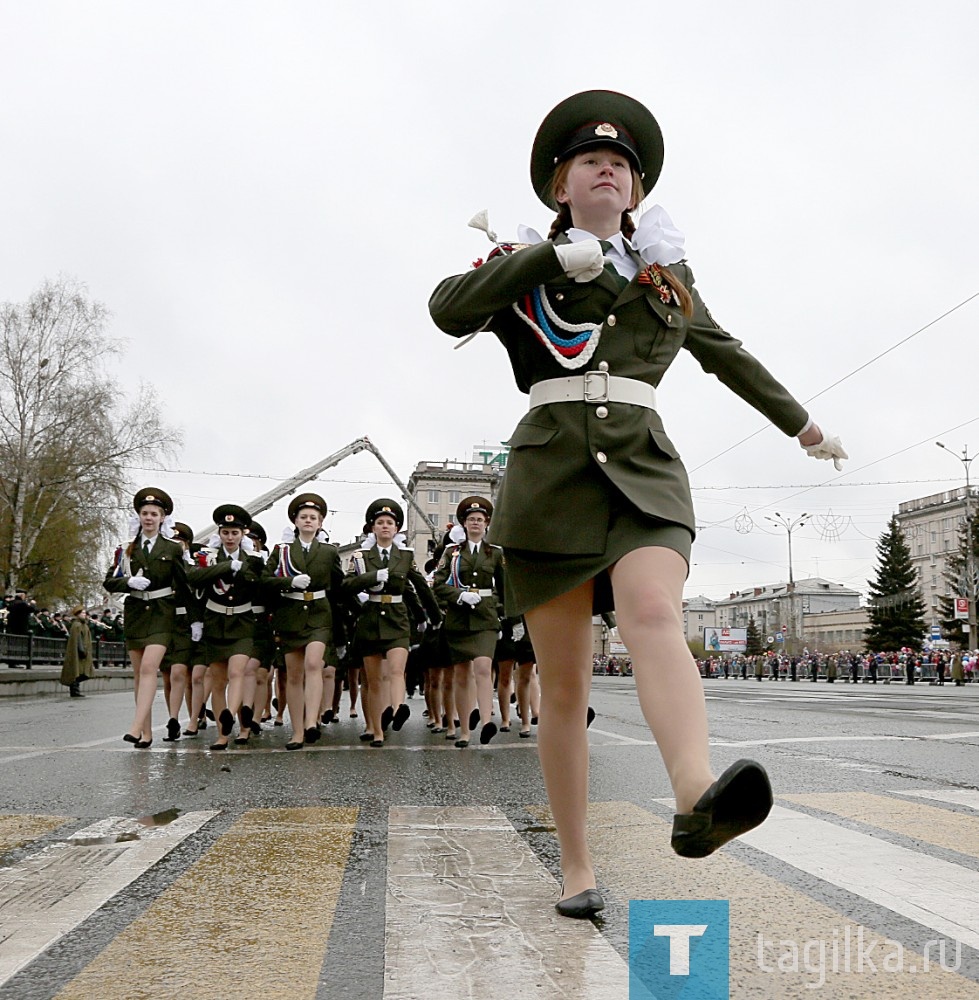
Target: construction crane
(304, 476)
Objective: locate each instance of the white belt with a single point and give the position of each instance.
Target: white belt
(181, 611)
(151, 595)
(593, 387)
(385, 598)
(306, 595)
(258, 609)
(227, 609)
(485, 592)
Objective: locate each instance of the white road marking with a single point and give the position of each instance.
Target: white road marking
(934, 893)
(470, 913)
(48, 894)
(953, 796)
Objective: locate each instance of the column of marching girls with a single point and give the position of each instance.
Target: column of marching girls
(250, 639)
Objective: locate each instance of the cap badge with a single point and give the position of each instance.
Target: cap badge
(149, 496)
(605, 129)
(229, 517)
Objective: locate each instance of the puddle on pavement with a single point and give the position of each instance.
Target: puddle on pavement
(117, 838)
(160, 818)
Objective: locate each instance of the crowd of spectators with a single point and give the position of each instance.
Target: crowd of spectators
(907, 665)
(21, 615)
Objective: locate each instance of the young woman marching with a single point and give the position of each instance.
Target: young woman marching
(148, 570)
(307, 575)
(385, 569)
(255, 697)
(230, 579)
(469, 581)
(591, 321)
(183, 653)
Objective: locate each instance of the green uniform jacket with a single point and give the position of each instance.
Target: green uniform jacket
(219, 585)
(322, 565)
(484, 571)
(554, 459)
(165, 567)
(380, 621)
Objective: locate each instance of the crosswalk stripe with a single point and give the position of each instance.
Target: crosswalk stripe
(15, 831)
(49, 893)
(470, 913)
(252, 915)
(953, 796)
(934, 893)
(631, 848)
(928, 824)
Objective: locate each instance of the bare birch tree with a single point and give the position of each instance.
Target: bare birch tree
(67, 430)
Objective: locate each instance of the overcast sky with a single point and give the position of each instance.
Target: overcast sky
(264, 195)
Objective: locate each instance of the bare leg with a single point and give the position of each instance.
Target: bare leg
(448, 699)
(313, 666)
(525, 673)
(483, 673)
(261, 691)
(374, 701)
(178, 688)
(397, 660)
(503, 688)
(461, 687)
(561, 633)
(197, 695)
(219, 699)
(150, 658)
(353, 685)
(648, 588)
(295, 674)
(249, 685)
(236, 682)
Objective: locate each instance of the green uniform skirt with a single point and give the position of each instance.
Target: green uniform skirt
(534, 578)
(468, 645)
(378, 647)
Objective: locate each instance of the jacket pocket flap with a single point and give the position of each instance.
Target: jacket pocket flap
(530, 433)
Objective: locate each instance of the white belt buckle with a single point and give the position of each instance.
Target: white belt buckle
(599, 393)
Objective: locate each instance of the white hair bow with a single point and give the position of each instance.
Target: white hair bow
(657, 239)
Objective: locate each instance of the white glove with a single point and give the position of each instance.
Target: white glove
(341, 652)
(422, 627)
(196, 631)
(382, 575)
(138, 582)
(469, 598)
(582, 261)
(362, 597)
(235, 565)
(301, 582)
(518, 632)
(828, 448)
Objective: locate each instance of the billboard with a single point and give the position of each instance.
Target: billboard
(725, 640)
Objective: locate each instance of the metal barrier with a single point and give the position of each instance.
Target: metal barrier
(41, 650)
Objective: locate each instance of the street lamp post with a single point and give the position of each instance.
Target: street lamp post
(790, 526)
(970, 558)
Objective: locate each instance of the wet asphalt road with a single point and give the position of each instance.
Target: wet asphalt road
(66, 758)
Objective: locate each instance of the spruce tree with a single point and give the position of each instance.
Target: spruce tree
(753, 638)
(956, 576)
(897, 610)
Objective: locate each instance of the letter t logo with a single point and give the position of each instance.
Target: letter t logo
(679, 935)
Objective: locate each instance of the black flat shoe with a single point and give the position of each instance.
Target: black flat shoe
(210, 714)
(294, 746)
(525, 735)
(377, 743)
(191, 732)
(487, 733)
(143, 744)
(737, 802)
(366, 737)
(586, 904)
(129, 738)
(450, 736)
(387, 716)
(462, 744)
(246, 714)
(590, 718)
(255, 728)
(227, 721)
(241, 741)
(533, 720)
(504, 729)
(474, 718)
(327, 717)
(278, 722)
(400, 717)
(311, 735)
(219, 746)
(173, 731)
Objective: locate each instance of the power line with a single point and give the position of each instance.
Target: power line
(840, 381)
